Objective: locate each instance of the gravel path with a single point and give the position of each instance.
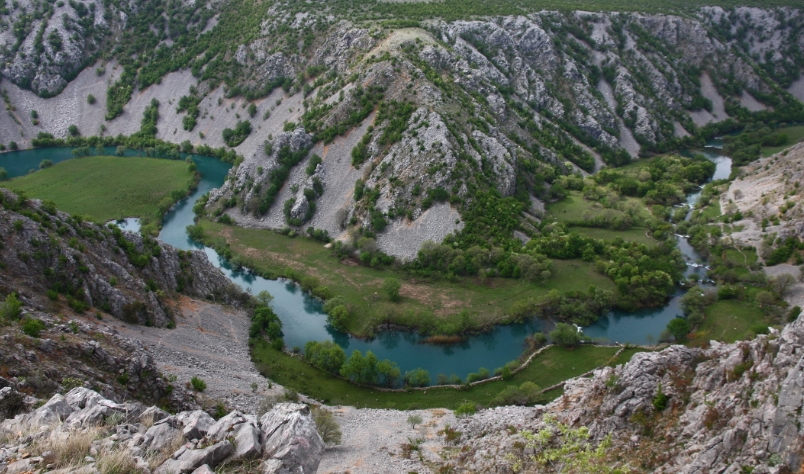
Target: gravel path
(373, 441)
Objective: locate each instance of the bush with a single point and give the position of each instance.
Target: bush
(466, 409)
(525, 394)
(11, 308)
(660, 400)
(235, 137)
(565, 335)
(327, 426)
(91, 99)
(32, 327)
(794, 313)
(417, 378)
(679, 328)
(391, 287)
(198, 384)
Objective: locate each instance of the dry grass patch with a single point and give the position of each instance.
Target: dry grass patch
(67, 448)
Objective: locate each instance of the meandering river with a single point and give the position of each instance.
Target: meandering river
(302, 317)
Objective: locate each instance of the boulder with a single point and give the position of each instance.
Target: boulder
(152, 415)
(291, 442)
(205, 469)
(11, 402)
(195, 423)
(188, 460)
(160, 435)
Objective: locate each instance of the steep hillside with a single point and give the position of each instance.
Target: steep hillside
(79, 265)
(767, 194)
(391, 128)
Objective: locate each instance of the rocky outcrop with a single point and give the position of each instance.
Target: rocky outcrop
(70, 352)
(119, 273)
(729, 408)
(190, 442)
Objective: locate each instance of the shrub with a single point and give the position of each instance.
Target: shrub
(565, 335)
(327, 426)
(417, 378)
(235, 137)
(32, 327)
(11, 307)
(391, 287)
(660, 400)
(198, 384)
(91, 99)
(794, 313)
(466, 409)
(525, 394)
(679, 328)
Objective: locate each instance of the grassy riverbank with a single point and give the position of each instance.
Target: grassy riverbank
(552, 366)
(423, 301)
(108, 187)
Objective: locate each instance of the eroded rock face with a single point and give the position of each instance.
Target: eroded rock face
(290, 440)
(190, 442)
(91, 266)
(729, 406)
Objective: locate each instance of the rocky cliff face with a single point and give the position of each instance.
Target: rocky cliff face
(83, 432)
(80, 264)
(507, 103)
(729, 408)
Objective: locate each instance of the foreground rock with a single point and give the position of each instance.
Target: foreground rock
(729, 408)
(99, 430)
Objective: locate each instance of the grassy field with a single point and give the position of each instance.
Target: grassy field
(573, 207)
(107, 187)
(731, 320)
(487, 301)
(795, 134)
(552, 366)
(637, 234)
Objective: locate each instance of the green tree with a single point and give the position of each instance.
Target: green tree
(264, 298)
(679, 328)
(325, 355)
(388, 372)
(417, 378)
(414, 420)
(391, 287)
(565, 335)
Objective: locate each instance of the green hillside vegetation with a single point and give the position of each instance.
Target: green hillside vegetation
(434, 305)
(106, 187)
(552, 366)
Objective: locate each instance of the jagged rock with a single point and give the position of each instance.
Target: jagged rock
(205, 469)
(160, 435)
(153, 415)
(195, 424)
(187, 460)
(291, 442)
(300, 208)
(131, 301)
(245, 431)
